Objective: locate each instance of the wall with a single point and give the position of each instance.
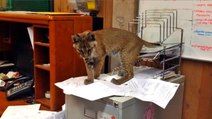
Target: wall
(123, 13)
(62, 6)
(198, 85)
(105, 10)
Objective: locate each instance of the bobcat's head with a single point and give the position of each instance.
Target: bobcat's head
(84, 44)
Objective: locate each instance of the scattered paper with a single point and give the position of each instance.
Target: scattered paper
(143, 86)
(153, 90)
(19, 112)
(30, 112)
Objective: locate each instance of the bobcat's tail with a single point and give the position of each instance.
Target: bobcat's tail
(151, 45)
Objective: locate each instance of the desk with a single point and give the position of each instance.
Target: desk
(52, 45)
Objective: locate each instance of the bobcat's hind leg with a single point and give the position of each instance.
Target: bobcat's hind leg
(128, 59)
(121, 80)
(126, 76)
(128, 73)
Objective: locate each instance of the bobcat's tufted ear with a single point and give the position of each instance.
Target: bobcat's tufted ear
(90, 37)
(76, 38)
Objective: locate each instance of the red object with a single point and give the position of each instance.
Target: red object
(149, 113)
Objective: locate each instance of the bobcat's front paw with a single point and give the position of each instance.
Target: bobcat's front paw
(88, 81)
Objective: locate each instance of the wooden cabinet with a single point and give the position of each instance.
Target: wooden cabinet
(54, 57)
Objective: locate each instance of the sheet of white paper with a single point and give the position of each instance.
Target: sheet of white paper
(31, 37)
(71, 82)
(91, 92)
(153, 90)
(38, 115)
(19, 112)
(142, 86)
(97, 90)
(30, 112)
(43, 114)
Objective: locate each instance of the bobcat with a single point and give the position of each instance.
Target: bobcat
(93, 46)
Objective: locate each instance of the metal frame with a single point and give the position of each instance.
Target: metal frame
(166, 19)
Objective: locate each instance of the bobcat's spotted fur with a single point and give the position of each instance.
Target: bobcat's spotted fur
(94, 46)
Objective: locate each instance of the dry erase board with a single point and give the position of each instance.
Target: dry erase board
(195, 17)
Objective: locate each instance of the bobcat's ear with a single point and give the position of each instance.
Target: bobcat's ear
(75, 38)
(90, 37)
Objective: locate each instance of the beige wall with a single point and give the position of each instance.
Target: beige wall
(123, 12)
(2, 3)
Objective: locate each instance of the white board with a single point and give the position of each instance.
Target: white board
(195, 18)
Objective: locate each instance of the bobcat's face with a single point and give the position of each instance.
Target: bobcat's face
(84, 44)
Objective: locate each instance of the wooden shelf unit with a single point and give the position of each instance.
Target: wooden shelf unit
(54, 57)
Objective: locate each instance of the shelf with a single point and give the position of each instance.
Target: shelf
(42, 44)
(40, 66)
(42, 35)
(43, 101)
(41, 54)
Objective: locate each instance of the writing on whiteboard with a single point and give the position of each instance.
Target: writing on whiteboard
(195, 18)
(202, 47)
(203, 32)
(203, 14)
